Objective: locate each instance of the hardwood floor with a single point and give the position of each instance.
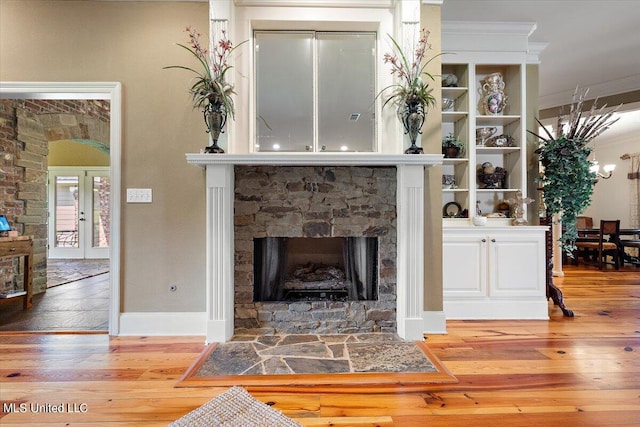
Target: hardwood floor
(81, 305)
(581, 371)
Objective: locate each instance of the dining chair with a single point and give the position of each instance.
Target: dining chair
(605, 244)
(584, 223)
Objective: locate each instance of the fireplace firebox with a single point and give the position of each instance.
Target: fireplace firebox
(315, 269)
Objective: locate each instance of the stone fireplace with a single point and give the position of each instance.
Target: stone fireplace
(337, 224)
(283, 197)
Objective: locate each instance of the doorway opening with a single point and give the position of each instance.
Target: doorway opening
(88, 92)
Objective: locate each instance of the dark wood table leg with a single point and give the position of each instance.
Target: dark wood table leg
(552, 290)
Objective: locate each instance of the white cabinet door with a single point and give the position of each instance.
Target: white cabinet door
(516, 265)
(465, 266)
(494, 273)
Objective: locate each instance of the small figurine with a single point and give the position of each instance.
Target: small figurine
(518, 204)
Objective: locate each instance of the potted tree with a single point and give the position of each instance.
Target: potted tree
(452, 147)
(567, 177)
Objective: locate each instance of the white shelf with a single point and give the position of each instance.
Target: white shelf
(454, 160)
(497, 190)
(496, 120)
(454, 92)
(464, 119)
(453, 116)
(482, 149)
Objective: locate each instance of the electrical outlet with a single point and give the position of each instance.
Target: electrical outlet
(139, 195)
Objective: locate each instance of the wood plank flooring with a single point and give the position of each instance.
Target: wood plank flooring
(82, 305)
(581, 371)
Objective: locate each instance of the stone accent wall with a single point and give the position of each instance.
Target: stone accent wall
(274, 201)
(26, 127)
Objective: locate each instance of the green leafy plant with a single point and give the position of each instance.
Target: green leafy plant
(413, 84)
(567, 180)
(210, 87)
(450, 140)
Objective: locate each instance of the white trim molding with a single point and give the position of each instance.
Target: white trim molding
(315, 159)
(90, 90)
(435, 322)
(164, 323)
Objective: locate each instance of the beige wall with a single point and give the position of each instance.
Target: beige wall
(532, 142)
(130, 42)
(432, 143)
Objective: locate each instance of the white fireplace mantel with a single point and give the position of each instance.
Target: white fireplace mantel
(315, 159)
(220, 239)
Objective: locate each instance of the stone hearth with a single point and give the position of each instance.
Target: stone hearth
(404, 289)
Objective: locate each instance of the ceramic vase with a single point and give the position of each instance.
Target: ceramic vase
(412, 115)
(492, 97)
(215, 117)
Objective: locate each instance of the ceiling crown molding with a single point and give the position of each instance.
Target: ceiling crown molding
(470, 36)
(535, 48)
(489, 27)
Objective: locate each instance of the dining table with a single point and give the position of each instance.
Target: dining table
(587, 233)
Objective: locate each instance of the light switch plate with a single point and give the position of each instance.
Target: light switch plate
(139, 195)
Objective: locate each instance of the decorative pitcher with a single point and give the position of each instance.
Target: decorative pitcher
(492, 97)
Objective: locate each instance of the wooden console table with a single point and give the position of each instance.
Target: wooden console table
(13, 247)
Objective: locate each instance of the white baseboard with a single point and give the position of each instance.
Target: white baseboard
(179, 323)
(434, 322)
(497, 310)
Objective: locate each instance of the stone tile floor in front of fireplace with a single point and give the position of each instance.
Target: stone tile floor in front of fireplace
(310, 354)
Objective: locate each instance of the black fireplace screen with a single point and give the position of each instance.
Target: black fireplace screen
(315, 269)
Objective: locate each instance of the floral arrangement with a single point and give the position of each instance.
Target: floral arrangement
(210, 88)
(412, 87)
(568, 180)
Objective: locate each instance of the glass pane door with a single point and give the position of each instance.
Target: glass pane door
(65, 213)
(79, 212)
(97, 245)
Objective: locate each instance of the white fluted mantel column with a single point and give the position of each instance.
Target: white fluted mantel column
(410, 281)
(220, 252)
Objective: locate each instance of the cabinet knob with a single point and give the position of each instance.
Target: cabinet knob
(493, 240)
(484, 240)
